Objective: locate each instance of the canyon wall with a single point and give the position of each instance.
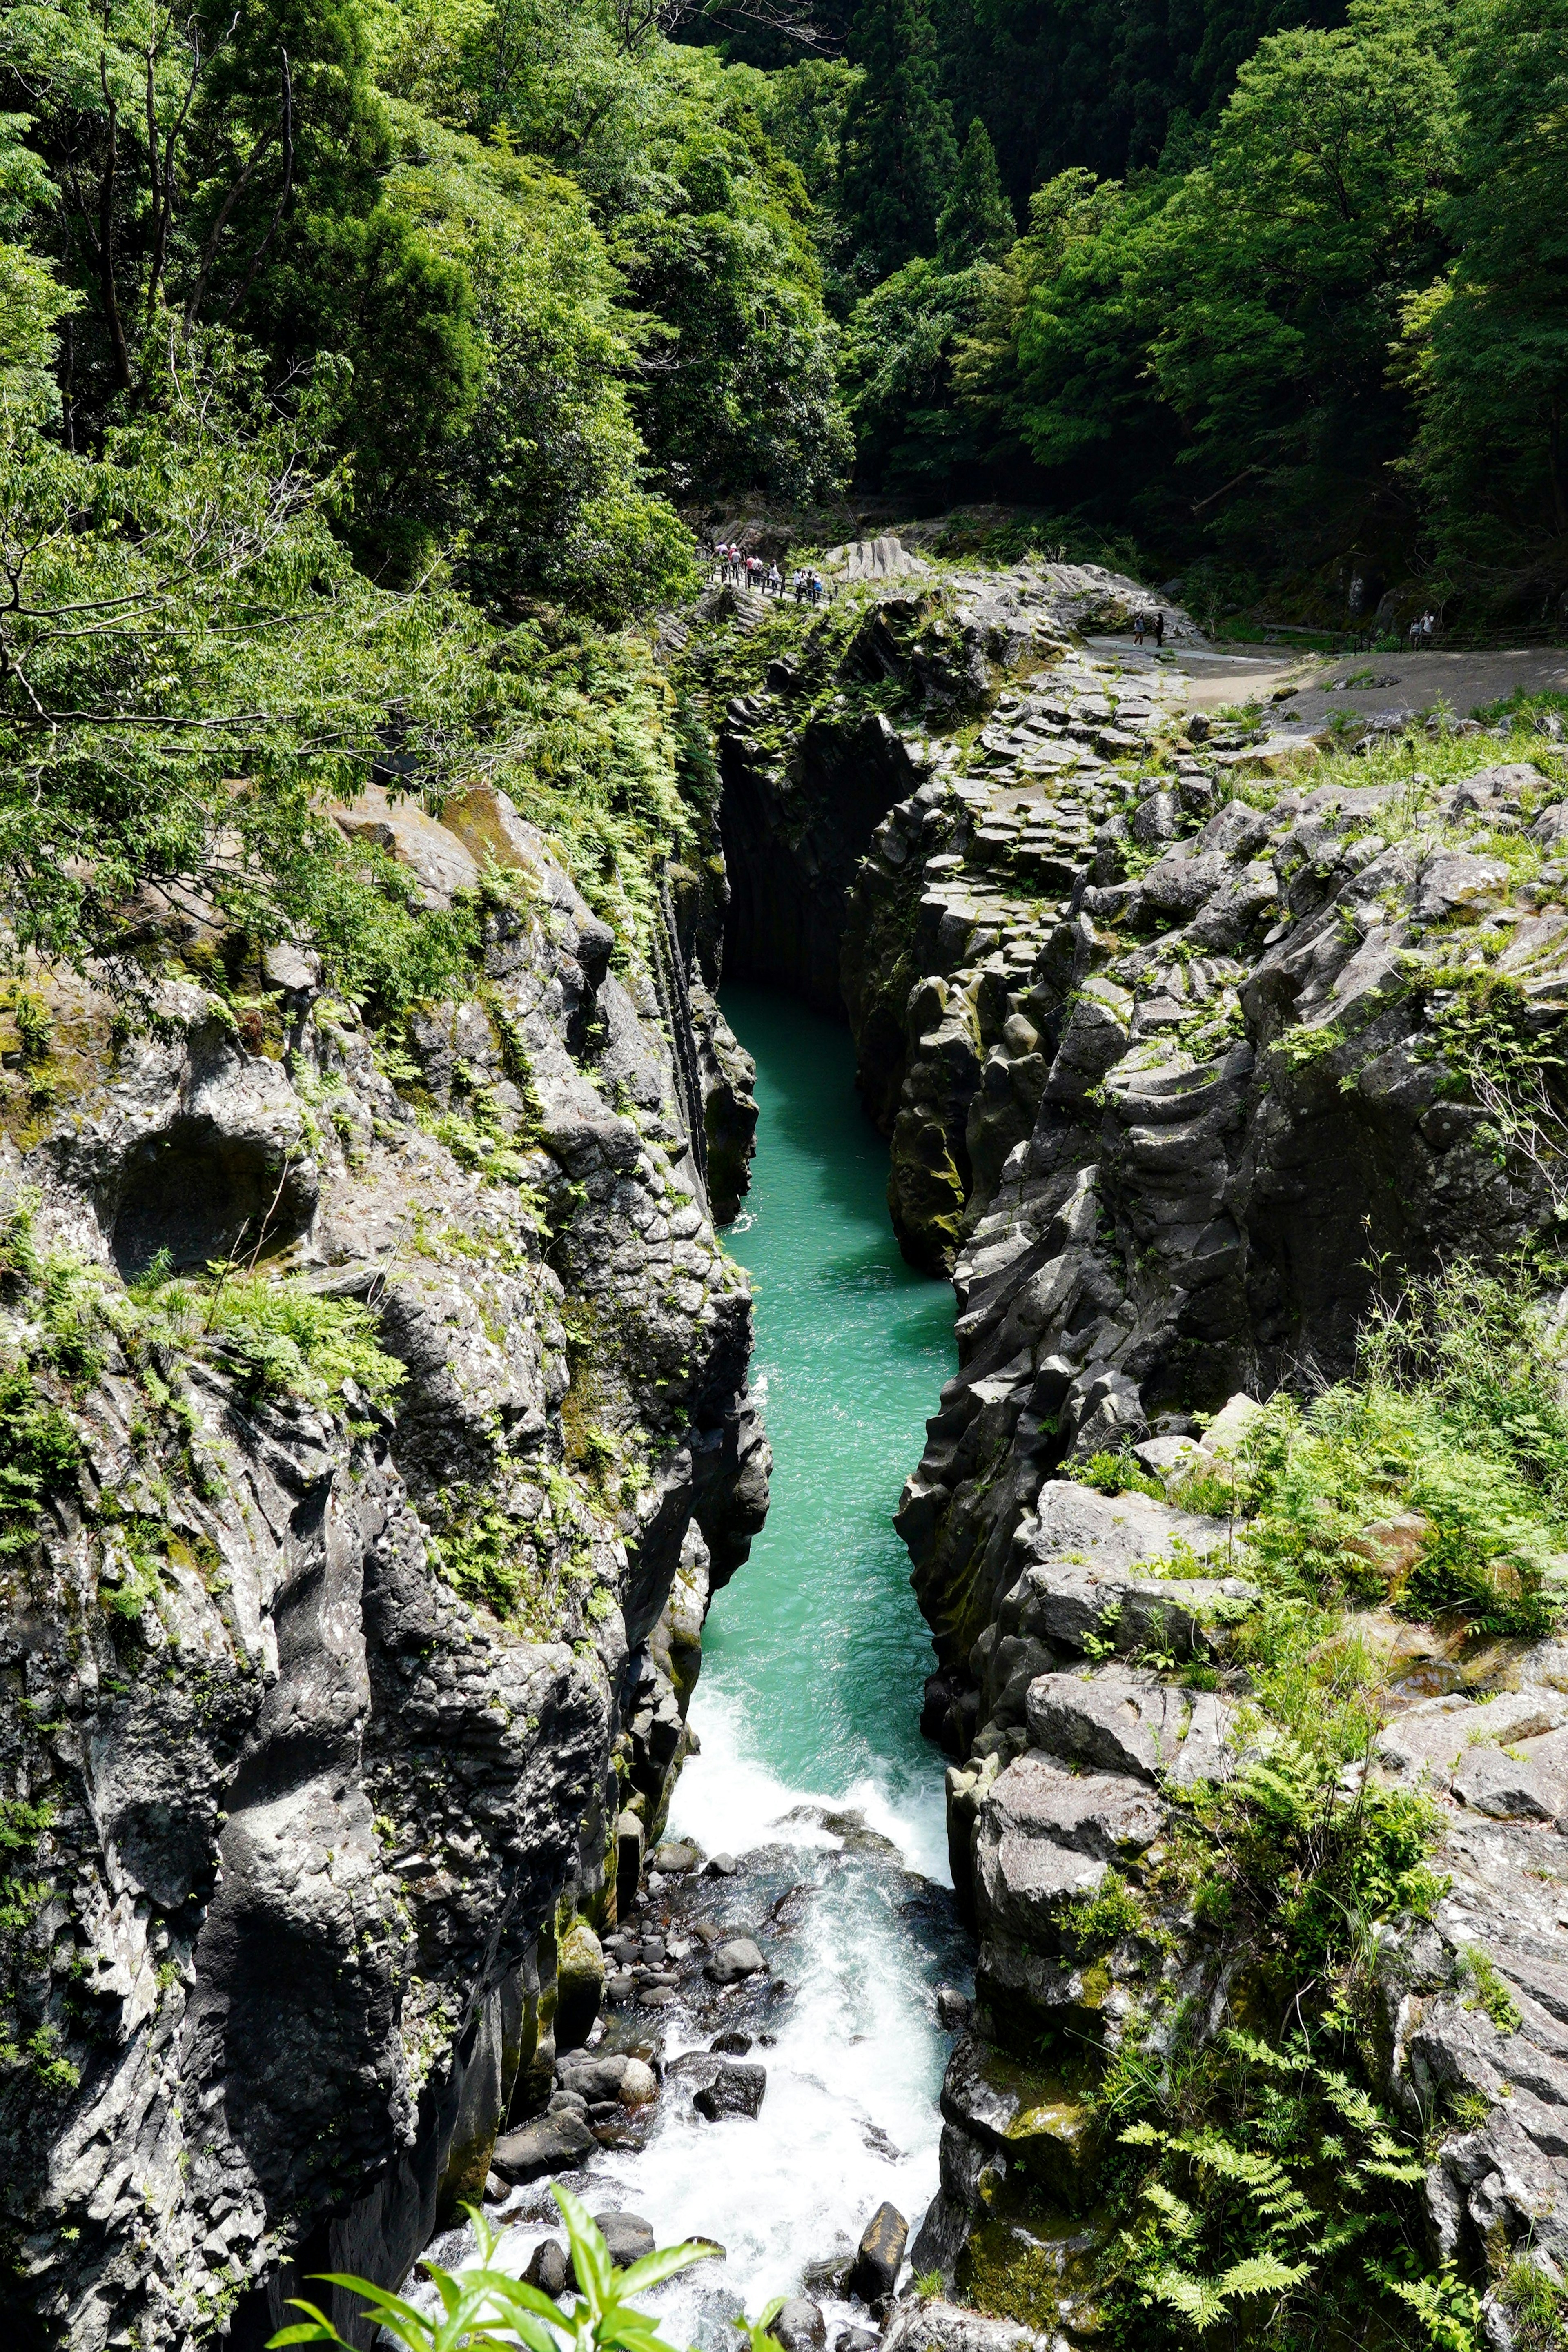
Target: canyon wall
(330, 1702)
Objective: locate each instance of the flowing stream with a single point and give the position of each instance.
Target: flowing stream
(812, 1771)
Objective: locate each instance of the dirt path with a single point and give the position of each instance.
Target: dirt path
(1411, 681)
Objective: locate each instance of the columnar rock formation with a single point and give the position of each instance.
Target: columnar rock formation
(1175, 1045)
(321, 1715)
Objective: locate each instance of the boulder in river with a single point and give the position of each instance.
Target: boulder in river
(627, 2237)
(732, 1961)
(735, 2044)
(800, 2326)
(579, 1986)
(734, 2091)
(952, 2011)
(677, 1858)
(548, 2270)
(880, 2258)
(551, 2143)
(610, 2075)
(857, 2339)
(629, 1844)
(721, 1866)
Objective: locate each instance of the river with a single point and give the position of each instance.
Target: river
(807, 1712)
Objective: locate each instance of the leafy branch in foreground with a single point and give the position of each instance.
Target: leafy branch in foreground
(484, 2307)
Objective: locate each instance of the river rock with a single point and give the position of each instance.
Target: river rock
(721, 1866)
(734, 2042)
(734, 1960)
(613, 2075)
(879, 2258)
(800, 2326)
(953, 2009)
(553, 2143)
(734, 2091)
(935, 2325)
(548, 2269)
(579, 1985)
(855, 2339)
(630, 1838)
(626, 2236)
(676, 1860)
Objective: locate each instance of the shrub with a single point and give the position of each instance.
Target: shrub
(484, 2307)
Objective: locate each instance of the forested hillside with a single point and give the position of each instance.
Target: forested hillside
(494, 301)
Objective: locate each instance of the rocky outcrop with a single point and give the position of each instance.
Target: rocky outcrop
(327, 1686)
(1176, 1044)
(844, 725)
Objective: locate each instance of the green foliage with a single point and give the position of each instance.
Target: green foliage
(976, 221)
(483, 2306)
(1491, 1989)
(1256, 2170)
(290, 1340)
(1490, 336)
(1095, 1922)
(1118, 1473)
(1457, 1417)
(900, 156)
(39, 1456)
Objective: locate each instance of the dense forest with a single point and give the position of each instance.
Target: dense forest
(365, 365)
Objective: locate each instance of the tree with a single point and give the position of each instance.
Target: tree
(1288, 259)
(1487, 341)
(977, 223)
(898, 151)
(543, 492)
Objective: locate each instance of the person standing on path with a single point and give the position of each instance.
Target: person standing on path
(1159, 629)
(1138, 630)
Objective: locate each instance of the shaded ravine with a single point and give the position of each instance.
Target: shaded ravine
(811, 1769)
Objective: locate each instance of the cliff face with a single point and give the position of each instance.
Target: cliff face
(327, 1681)
(1186, 1041)
(1173, 1062)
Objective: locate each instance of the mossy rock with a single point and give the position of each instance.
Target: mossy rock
(579, 1985)
(1028, 2261)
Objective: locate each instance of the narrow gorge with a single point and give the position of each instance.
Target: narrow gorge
(432, 1770)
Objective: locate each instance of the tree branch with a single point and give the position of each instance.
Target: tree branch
(106, 236)
(245, 285)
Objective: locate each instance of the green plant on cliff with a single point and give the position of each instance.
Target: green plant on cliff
(483, 2306)
(292, 1340)
(39, 1456)
(1267, 2193)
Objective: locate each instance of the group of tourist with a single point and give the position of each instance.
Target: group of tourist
(738, 567)
(1148, 625)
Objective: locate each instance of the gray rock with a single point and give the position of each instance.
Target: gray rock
(800, 2326)
(675, 1860)
(924, 2325)
(627, 2237)
(734, 1960)
(735, 2044)
(735, 2090)
(879, 2257)
(953, 2009)
(1495, 1783)
(548, 2268)
(554, 2143)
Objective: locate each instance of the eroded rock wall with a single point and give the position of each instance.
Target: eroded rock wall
(319, 1721)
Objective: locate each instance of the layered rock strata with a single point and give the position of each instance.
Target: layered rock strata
(323, 1721)
(1175, 1048)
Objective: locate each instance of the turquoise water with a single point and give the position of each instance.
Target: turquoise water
(818, 1639)
(808, 1710)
